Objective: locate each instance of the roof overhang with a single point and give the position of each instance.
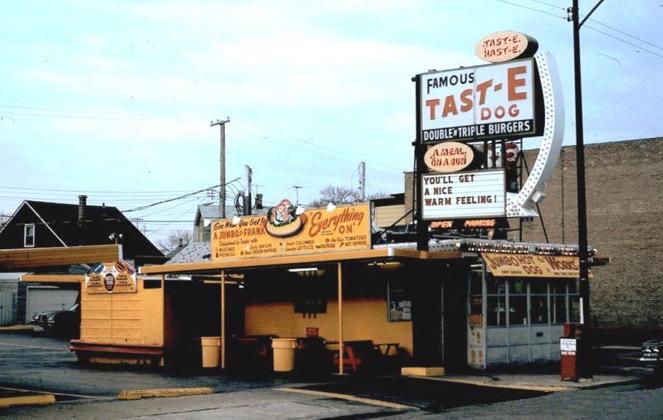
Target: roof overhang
(26, 259)
(54, 278)
(380, 254)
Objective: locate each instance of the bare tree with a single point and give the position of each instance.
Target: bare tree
(335, 194)
(176, 239)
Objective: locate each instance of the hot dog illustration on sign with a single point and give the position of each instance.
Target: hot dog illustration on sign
(283, 221)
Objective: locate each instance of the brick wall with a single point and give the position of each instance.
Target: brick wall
(624, 184)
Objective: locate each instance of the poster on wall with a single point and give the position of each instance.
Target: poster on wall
(463, 195)
(112, 277)
(478, 103)
(288, 230)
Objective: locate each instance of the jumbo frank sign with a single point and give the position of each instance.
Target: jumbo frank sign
(287, 231)
(484, 102)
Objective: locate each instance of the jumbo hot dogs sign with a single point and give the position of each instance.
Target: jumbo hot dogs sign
(491, 101)
(288, 230)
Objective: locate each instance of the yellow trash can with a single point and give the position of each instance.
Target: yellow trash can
(211, 347)
(284, 354)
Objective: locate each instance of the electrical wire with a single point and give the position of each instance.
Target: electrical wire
(531, 8)
(624, 41)
(147, 206)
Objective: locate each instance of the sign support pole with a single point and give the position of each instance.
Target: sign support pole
(422, 226)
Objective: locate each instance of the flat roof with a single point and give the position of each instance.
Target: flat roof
(386, 253)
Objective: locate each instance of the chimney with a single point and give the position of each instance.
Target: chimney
(82, 203)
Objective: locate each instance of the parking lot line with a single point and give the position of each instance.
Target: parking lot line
(63, 394)
(37, 399)
(368, 401)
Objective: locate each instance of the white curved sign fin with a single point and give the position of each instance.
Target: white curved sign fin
(523, 204)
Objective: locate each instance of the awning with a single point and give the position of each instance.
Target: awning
(380, 254)
(527, 265)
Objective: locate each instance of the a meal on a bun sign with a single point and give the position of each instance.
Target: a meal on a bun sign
(287, 230)
(112, 277)
(484, 102)
(449, 156)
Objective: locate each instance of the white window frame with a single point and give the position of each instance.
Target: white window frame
(25, 235)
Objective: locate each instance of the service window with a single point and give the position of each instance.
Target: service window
(496, 303)
(517, 302)
(400, 304)
(538, 290)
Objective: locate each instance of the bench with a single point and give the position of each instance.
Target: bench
(84, 350)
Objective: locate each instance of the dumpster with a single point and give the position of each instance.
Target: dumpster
(211, 347)
(284, 354)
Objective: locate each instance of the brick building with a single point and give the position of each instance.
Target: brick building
(624, 210)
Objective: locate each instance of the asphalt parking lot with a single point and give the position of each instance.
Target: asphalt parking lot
(44, 365)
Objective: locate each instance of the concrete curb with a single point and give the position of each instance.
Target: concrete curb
(43, 399)
(521, 387)
(367, 401)
(136, 394)
(18, 329)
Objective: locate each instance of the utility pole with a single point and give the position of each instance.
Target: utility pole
(247, 197)
(583, 254)
(222, 158)
(297, 188)
(362, 180)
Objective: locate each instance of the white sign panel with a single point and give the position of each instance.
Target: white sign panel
(463, 195)
(567, 344)
(492, 101)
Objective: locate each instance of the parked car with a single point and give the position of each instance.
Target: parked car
(65, 323)
(650, 351)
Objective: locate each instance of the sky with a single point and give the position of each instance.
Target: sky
(113, 99)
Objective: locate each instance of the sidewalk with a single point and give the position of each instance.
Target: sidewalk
(544, 382)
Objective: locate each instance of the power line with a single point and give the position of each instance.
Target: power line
(532, 9)
(92, 191)
(556, 6)
(176, 198)
(624, 41)
(626, 33)
(104, 113)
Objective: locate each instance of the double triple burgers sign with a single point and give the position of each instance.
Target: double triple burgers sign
(461, 110)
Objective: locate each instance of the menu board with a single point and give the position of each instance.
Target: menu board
(289, 230)
(112, 277)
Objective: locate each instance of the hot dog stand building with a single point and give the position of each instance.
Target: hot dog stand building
(464, 302)
(294, 277)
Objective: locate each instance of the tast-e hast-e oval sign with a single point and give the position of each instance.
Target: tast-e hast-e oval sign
(449, 157)
(504, 46)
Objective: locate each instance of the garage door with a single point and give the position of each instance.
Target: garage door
(47, 298)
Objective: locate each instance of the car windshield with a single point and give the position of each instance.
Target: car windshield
(73, 307)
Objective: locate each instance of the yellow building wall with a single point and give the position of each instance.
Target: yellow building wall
(386, 216)
(363, 319)
(123, 318)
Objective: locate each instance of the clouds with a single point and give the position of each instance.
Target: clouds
(311, 87)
